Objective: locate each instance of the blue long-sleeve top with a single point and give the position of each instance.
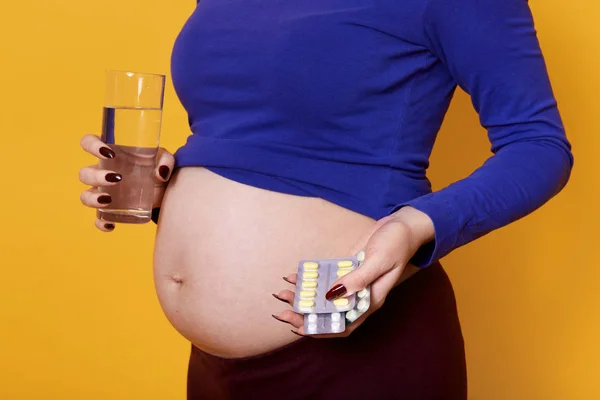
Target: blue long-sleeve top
(343, 99)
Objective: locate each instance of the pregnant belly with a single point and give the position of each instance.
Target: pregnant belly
(222, 249)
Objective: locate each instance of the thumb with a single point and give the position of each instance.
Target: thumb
(385, 250)
(166, 163)
(374, 266)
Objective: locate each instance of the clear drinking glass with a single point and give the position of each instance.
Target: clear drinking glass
(131, 128)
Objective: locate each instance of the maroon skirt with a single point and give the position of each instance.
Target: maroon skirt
(412, 348)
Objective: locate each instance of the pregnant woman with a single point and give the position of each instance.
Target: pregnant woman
(312, 123)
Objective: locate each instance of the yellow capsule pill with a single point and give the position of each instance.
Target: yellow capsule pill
(309, 285)
(341, 302)
(345, 264)
(308, 294)
(310, 275)
(306, 303)
(311, 266)
(342, 272)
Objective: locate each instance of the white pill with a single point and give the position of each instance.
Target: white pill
(312, 318)
(360, 256)
(352, 315)
(336, 326)
(336, 316)
(312, 328)
(362, 305)
(363, 293)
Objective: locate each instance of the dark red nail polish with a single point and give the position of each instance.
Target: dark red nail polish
(112, 177)
(296, 333)
(107, 152)
(280, 299)
(336, 292)
(279, 319)
(163, 171)
(287, 280)
(104, 199)
(110, 227)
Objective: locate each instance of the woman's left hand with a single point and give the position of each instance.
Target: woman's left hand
(388, 250)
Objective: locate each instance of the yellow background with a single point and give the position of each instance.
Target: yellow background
(78, 315)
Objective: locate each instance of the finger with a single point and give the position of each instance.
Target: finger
(93, 176)
(290, 317)
(166, 163)
(387, 249)
(159, 193)
(286, 296)
(96, 147)
(93, 198)
(291, 278)
(104, 226)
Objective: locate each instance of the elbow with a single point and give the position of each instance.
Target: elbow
(567, 161)
(568, 169)
(544, 162)
(564, 174)
(540, 145)
(558, 161)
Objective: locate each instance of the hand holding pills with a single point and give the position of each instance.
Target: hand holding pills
(355, 293)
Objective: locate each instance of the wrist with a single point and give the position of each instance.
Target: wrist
(419, 223)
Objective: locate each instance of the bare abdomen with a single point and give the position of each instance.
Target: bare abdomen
(222, 249)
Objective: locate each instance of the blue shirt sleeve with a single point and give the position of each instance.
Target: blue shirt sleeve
(491, 50)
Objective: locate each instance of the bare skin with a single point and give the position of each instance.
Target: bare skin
(223, 249)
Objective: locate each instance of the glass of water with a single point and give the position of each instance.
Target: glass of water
(131, 128)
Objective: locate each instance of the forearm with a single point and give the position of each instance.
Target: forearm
(513, 183)
(490, 49)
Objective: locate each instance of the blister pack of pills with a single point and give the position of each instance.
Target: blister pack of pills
(315, 277)
(322, 316)
(362, 305)
(319, 324)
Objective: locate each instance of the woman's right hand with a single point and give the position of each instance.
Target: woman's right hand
(96, 177)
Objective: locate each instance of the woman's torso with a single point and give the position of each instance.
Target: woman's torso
(335, 103)
(222, 249)
(342, 98)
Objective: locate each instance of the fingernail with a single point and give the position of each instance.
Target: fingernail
(279, 319)
(112, 177)
(287, 280)
(163, 171)
(279, 298)
(110, 227)
(336, 292)
(296, 333)
(107, 152)
(104, 199)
